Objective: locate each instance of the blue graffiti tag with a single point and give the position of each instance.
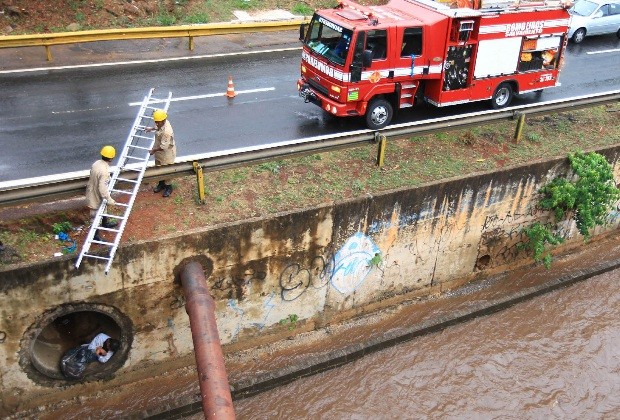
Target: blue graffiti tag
(352, 263)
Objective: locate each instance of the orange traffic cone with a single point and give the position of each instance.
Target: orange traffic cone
(230, 91)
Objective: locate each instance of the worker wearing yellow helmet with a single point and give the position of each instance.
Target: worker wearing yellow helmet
(97, 187)
(164, 150)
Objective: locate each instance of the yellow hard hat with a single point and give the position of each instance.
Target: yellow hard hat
(108, 152)
(159, 115)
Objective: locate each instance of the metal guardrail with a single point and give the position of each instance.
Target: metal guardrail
(181, 31)
(45, 187)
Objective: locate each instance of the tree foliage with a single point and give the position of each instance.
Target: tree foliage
(587, 195)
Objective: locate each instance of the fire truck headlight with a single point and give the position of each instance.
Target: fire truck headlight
(334, 110)
(327, 108)
(336, 88)
(303, 69)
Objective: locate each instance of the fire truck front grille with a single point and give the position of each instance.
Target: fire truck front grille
(316, 86)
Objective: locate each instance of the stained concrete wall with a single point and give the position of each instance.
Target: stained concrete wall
(320, 264)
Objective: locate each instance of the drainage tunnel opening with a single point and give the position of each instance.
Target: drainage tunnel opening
(73, 327)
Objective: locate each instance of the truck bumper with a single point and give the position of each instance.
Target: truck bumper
(329, 105)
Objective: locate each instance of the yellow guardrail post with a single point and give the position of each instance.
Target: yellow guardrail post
(200, 183)
(520, 125)
(48, 53)
(382, 140)
(191, 43)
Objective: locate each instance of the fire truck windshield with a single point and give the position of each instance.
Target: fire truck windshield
(328, 39)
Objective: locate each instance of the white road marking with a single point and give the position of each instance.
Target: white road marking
(208, 95)
(604, 51)
(73, 111)
(159, 60)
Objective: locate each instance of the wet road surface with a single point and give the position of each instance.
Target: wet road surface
(56, 121)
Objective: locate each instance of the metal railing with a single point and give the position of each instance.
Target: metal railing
(47, 187)
(182, 31)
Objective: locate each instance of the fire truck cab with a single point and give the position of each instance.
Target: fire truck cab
(372, 61)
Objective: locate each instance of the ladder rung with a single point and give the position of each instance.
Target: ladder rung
(113, 216)
(102, 243)
(122, 192)
(131, 169)
(139, 147)
(108, 229)
(97, 256)
(141, 137)
(126, 180)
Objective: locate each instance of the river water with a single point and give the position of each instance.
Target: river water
(556, 356)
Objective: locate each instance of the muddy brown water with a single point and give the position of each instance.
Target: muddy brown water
(555, 356)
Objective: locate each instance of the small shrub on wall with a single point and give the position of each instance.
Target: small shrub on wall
(586, 195)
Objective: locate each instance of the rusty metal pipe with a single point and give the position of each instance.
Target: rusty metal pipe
(200, 307)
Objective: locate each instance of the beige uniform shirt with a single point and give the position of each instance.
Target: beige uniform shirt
(97, 187)
(164, 138)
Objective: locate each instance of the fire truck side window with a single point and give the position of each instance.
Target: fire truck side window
(412, 42)
(358, 53)
(376, 41)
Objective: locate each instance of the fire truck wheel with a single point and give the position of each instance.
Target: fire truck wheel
(502, 96)
(378, 114)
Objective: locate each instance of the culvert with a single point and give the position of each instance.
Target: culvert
(69, 326)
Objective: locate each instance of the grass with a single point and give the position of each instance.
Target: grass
(286, 185)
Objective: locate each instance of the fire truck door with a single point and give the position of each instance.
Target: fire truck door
(376, 41)
(410, 49)
(410, 64)
(357, 63)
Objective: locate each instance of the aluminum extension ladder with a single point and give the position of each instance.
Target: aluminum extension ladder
(133, 159)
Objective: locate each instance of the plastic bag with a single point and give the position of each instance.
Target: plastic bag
(74, 362)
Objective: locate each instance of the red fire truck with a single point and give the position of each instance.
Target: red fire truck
(371, 61)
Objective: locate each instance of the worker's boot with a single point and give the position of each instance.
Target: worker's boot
(160, 186)
(167, 190)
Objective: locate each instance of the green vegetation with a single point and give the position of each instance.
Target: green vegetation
(61, 227)
(273, 167)
(589, 196)
(291, 320)
(375, 261)
(586, 195)
(302, 9)
(539, 236)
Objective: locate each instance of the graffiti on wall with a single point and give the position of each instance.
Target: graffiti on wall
(352, 263)
(502, 237)
(296, 279)
(345, 271)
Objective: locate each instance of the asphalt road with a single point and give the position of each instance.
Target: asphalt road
(55, 120)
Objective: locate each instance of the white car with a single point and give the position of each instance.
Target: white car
(594, 17)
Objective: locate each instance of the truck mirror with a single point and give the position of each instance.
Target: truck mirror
(302, 31)
(366, 58)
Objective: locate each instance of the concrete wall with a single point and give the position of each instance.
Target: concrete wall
(319, 264)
